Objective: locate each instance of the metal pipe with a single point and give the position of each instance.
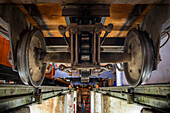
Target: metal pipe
(104, 37)
(109, 29)
(72, 49)
(66, 40)
(61, 80)
(62, 29)
(94, 49)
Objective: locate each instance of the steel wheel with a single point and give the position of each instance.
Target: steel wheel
(31, 69)
(139, 69)
(21, 59)
(34, 66)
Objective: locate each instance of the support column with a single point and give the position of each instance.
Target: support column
(75, 102)
(92, 102)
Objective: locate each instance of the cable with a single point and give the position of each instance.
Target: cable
(165, 41)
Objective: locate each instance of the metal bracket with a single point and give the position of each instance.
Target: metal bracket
(130, 96)
(38, 96)
(168, 99)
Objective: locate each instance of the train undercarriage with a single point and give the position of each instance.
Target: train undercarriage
(87, 49)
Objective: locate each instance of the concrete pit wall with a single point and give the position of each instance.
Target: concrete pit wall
(59, 104)
(98, 102)
(106, 104)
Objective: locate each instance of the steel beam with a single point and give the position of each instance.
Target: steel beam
(57, 48)
(108, 49)
(112, 49)
(114, 57)
(109, 41)
(12, 96)
(88, 1)
(86, 11)
(63, 57)
(58, 57)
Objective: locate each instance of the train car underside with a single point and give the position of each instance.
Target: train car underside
(86, 39)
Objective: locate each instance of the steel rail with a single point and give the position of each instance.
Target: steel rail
(14, 96)
(154, 96)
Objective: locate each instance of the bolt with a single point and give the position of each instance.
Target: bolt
(130, 71)
(61, 27)
(31, 71)
(110, 26)
(139, 70)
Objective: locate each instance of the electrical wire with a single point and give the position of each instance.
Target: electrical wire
(165, 41)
